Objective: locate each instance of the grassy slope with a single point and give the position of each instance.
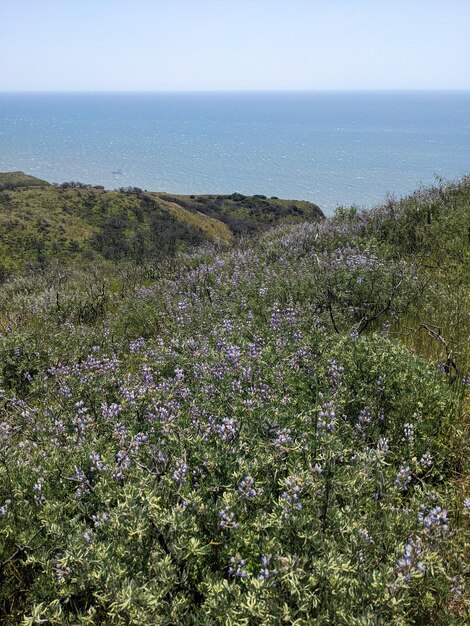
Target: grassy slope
(39, 221)
(13, 180)
(246, 213)
(214, 229)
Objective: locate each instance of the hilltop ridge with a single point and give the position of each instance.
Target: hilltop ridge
(40, 221)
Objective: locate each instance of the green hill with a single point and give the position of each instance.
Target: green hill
(39, 221)
(15, 180)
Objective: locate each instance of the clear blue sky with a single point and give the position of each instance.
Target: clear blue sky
(152, 45)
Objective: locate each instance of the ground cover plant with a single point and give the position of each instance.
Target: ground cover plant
(269, 433)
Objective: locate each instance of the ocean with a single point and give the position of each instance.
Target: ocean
(333, 148)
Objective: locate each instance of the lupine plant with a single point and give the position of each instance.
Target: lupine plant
(244, 439)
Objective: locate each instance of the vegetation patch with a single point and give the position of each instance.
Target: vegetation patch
(271, 432)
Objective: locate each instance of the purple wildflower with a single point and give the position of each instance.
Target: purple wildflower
(246, 488)
(237, 567)
(403, 478)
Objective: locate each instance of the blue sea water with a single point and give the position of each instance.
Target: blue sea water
(333, 148)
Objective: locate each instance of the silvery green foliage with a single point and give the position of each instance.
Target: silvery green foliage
(228, 445)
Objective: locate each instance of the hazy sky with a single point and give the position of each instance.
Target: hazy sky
(152, 45)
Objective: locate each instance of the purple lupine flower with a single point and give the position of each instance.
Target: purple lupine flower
(246, 488)
(82, 481)
(426, 460)
(227, 429)
(383, 445)
(276, 318)
(291, 496)
(233, 354)
(265, 571)
(363, 421)
(146, 292)
(227, 519)
(62, 572)
(100, 519)
(179, 475)
(38, 486)
(227, 325)
(124, 462)
(334, 371)
(283, 438)
(403, 477)
(4, 508)
(327, 416)
(5, 432)
(409, 433)
(136, 345)
(237, 567)
(179, 375)
(410, 559)
(110, 411)
(434, 520)
(87, 536)
(457, 587)
(137, 442)
(290, 315)
(364, 535)
(95, 458)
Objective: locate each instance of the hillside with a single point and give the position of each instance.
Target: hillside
(20, 180)
(270, 432)
(40, 222)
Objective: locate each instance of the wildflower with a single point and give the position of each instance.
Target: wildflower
(283, 438)
(334, 371)
(233, 354)
(291, 496)
(363, 421)
(100, 519)
(237, 567)
(403, 477)
(457, 587)
(179, 375)
(327, 416)
(110, 411)
(137, 345)
(246, 487)
(4, 508)
(179, 475)
(410, 560)
(227, 519)
(435, 520)
(227, 429)
(426, 460)
(38, 486)
(409, 433)
(83, 487)
(383, 445)
(265, 573)
(276, 318)
(95, 458)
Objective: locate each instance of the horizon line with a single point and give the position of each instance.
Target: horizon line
(222, 91)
